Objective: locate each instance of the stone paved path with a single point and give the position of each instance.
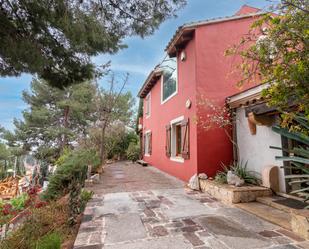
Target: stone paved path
(142, 208)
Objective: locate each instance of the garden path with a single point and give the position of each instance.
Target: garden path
(137, 207)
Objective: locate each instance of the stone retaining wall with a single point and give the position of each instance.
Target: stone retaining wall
(231, 194)
(300, 223)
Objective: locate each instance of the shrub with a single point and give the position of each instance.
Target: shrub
(19, 202)
(221, 177)
(39, 222)
(49, 241)
(133, 152)
(85, 196)
(72, 170)
(238, 168)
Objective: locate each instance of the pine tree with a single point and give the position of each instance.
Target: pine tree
(55, 39)
(55, 118)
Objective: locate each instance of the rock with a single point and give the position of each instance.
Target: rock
(202, 176)
(233, 179)
(194, 182)
(88, 183)
(95, 178)
(240, 182)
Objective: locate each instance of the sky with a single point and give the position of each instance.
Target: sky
(138, 59)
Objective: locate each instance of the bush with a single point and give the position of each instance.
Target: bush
(85, 196)
(40, 223)
(240, 170)
(72, 170)
(221, 177)
(19, 202)
(49, 241)
(133, 152)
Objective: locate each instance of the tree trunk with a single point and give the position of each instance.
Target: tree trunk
(102, 145)
(65, 125)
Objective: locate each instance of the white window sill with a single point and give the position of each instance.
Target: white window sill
(177, 159)
(147, 116)
(168, 98)
(147, 155)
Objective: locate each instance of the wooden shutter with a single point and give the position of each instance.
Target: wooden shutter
(150, 143)
(168, 141)
(185, 137)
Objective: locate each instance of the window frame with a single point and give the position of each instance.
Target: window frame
(173, 143)
(146, 145)
(148, 101)
(162, 83)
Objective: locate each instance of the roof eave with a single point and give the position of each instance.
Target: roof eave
(150, 82)
(172, 48)
(246, 97)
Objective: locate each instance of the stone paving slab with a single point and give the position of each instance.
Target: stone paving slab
(124, 227)
(117, 203)
(170, 217)
(233, 234)
(162, 243)
(181, 202)
(248, 220)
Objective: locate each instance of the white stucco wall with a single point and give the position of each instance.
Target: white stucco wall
(255, 148)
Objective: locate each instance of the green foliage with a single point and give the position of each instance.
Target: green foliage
(64, 156)
(54, 39)
(297, 158)
(49, 241)
(19, 202)
(133, 152)
(139, 113)
(277, 52)
(238, 168)
(55, 118)
(85, 196)
(72, 171)
(41, 222)
(221, 176)
(117, 141)
(4, 152)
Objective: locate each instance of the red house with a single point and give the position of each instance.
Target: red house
(172, 140)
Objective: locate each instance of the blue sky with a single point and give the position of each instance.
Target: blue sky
(138, 59)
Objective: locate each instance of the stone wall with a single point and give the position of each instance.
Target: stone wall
(300, 223)
(231, 194)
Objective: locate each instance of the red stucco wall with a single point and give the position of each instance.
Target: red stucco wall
(216, 79)
(162, 114)
(206, 71)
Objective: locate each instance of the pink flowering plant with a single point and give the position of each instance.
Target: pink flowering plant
(218, 116)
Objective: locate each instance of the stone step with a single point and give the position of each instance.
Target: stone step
(269, 201)
(268, 213)
(143, 163)
(274, 201)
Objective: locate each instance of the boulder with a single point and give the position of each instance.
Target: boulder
(95, 178)
(202, 176)
(233, 179)
(194, 182)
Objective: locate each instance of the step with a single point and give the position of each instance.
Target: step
(269, 201)
(268, 213)
(143, 163)
(282, 203)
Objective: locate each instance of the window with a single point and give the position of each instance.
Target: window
(147, 105)
(147, 143)
(177, 139)
(169, 80)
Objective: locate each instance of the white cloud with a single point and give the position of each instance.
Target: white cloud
(132, 68)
